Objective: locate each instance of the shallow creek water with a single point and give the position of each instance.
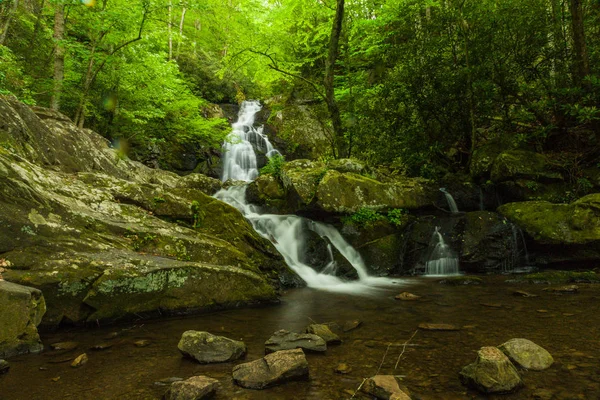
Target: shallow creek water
(488, 314)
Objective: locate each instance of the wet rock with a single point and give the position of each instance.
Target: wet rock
(543, 394)
(438, 327)
(80, 360)
(351, 325)
(273, 369)
(286, 340)
(487, 242)
(324, 333)
(4, 367)
(563, 289)
(64, 346)
(343, 369)
(142, 343)
(407, 296)
(168, 381)
(527, 354)
(21, 311)
(461, 280)
(194, 388)
(492, 372)
(102, 346)
(384, 387)
(208, 348)
(523, 293)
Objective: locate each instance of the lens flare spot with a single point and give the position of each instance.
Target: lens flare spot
(89, 3)
(110, 102)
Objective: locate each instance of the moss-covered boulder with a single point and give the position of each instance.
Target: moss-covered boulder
(484, 156)
(104, 237)
(346, 165)
(515, 164)
(348, 192)
(492, 372)
(21, 311)
(560, 232)
(527, 354)
(301, 178)
(268, 191)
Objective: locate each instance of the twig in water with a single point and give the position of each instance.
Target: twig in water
(404, 348)
(358, 390)
(383, 359)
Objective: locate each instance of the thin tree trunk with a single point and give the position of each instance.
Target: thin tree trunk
(36, 28)
(80, 114)
(59, 56)
(332, 106)
(8, 20)
(181, 22)
(580, 55)
(170, 30)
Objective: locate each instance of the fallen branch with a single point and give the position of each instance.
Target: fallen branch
(404, 348)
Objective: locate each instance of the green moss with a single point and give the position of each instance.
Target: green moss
(556, 277)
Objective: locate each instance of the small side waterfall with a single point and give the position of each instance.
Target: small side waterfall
(442, 260)
(286, 232)
(451, 203)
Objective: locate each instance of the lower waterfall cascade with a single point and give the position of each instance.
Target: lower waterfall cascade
(288, 233)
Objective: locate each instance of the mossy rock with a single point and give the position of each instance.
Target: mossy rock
(21, 310)
(560, 277)
(522, 164)
(301, 178)
(461, 280)
(346, 165)
(348, 192)
(484, 156)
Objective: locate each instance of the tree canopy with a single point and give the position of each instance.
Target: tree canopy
(418, 83)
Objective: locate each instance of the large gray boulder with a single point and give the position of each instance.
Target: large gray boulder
(106, 238)
(273, 369)
(194, 388)
(207, 348)
(527, 354)
(492, 372)
(21, 310)
(324, 333)
(285, 340)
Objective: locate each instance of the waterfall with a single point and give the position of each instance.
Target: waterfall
(442, 260)
(288, 233)
(451, 203)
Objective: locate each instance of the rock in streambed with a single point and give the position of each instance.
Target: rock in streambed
(273, 369)
(285, 340)
(207, 348)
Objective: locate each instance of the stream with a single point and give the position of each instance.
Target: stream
(488, 314)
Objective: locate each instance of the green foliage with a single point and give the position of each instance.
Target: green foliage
(363, 217)
(197, 214)
(397, 216)
(274, 166)
(139, 241)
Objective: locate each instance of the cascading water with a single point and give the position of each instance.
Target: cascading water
(442, 260)
(451, 203)
(286, 232)
(240, 162)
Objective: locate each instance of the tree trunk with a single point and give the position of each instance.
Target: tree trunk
(581, 62)
(181, 22)
(8, 20)
(332, 106)
(59, 56)
(80, 114)
(39, 11)
(170, 30)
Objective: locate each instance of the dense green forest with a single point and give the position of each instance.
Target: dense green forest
(417, 85)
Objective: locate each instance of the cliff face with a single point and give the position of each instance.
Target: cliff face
(104, 237)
